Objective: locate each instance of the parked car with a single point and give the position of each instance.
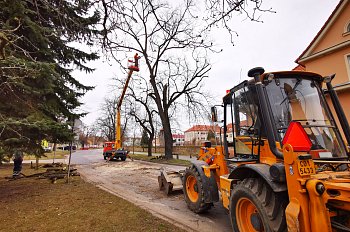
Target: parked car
(48, 149)
(67, 148)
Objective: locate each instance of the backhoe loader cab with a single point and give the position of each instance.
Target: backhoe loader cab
(283, 163)
(290, 97)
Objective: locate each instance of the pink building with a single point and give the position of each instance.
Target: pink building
(178, 140)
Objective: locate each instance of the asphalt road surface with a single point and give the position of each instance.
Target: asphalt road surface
(136, 181)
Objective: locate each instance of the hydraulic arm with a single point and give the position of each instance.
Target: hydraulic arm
(132, 68)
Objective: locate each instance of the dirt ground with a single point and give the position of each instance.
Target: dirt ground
(136, 181)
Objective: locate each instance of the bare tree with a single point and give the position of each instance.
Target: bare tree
(85, 133)
(173, 39)
(219, 13)
(143, 111)
(172, 48)
(89, 134)
(106, 122)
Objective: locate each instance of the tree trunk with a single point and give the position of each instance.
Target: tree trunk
(149, 149)
(168, 140)
(164, 116)
(150, 145)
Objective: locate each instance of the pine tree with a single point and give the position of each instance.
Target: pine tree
(211, 136)
(144, 139)
(38, 94)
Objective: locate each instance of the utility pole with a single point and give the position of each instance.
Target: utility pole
(70, 151)
(54, 152)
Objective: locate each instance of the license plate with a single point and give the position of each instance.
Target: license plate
(306, 167)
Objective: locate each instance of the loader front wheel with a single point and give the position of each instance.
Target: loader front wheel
(255, 207)
(194, 192)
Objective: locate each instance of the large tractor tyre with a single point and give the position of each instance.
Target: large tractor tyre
(255, 207)
(194, 192)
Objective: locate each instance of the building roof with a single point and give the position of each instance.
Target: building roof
(322, 31)
(203, 128)
(178, 136)
(299, 67)
(230, 126)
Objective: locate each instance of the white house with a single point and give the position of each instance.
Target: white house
(197, 134)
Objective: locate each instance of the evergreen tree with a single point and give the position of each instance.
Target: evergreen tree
(144, 139)
(38, 94)
(211, 136)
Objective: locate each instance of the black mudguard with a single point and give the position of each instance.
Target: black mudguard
(209, 184)
(257, 170)
(117, 153)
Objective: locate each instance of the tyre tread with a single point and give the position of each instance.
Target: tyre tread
(272, 203)
(202, 206)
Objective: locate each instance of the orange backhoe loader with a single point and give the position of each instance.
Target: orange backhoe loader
(115, 150)
(282, 164)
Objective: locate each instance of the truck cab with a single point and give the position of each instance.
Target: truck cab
(110, 153)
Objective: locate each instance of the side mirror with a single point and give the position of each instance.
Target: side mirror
(214, 114)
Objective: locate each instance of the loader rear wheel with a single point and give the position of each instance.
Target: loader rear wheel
(194, 192)
(255, 207)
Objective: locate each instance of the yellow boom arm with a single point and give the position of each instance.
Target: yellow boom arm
(132, 68)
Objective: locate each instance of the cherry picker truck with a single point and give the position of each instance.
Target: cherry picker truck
(114, 150)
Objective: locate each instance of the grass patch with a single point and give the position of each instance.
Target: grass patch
(49, 155)
(181, 150)
(160, 160)
(30, 204)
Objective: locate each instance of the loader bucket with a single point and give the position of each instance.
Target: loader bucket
(170, 181)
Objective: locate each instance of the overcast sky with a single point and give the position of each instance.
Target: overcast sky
(273, 45)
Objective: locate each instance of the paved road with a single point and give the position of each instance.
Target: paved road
(87, 156)
(95, 155)
(137, 182)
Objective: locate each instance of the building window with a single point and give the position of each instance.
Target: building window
(347, 30)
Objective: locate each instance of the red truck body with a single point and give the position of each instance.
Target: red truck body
(108, 146)
(110, 153)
